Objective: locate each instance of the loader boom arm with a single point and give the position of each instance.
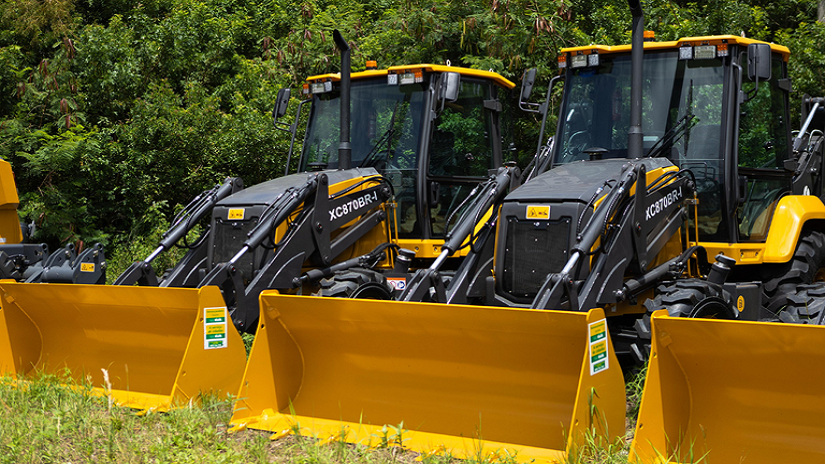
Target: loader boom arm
(141, 272)
(426, 283)
(629, 230)
(314, 215)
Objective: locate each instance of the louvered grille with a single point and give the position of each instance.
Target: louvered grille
(533, 250)
(229, 237)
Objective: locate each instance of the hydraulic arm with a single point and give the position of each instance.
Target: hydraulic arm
(631, 225)
(427, 284)
(313, 215)
(142, 273)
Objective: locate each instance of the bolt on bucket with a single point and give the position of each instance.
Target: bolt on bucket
(160, 347)
(732, 391)
(464, 380)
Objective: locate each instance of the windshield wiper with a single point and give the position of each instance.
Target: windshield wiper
(372, 157)
(675, 133)
(682, 127)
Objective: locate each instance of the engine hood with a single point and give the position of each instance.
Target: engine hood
(578, 181)
(266, 192)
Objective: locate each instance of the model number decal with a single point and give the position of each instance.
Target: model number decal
(352, 205)
(661, 204)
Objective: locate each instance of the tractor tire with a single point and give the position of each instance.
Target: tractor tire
(806, 267)
(694, 298)
(356, 283)
(805, 306)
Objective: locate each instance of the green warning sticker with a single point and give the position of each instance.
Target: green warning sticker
(597, 338)
(598, 331)
(216, 331)
(212, 315)
(214, 328)
(598, 351)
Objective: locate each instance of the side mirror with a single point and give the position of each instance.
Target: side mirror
(281, 103)
(527, 84)
(450, 86)
(759, 62)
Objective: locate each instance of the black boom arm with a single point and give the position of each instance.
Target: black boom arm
(627, 231)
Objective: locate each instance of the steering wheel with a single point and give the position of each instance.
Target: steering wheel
(575, 145)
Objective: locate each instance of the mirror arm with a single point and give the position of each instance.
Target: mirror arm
(293, 128)
(543, 110)
(744, 97)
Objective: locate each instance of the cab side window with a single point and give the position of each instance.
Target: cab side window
(461, 153)
(763, 148)
(763, 141)
(461, 143)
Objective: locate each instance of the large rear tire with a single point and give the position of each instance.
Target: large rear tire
(806, 267)
(806, 305)
(356, 283)
(693, 298)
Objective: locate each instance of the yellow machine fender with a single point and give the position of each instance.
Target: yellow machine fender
(791, 214)
(732, 391)
(10, 232)
(159, 346)
(464, 380)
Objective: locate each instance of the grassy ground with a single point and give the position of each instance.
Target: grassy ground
(45, 421)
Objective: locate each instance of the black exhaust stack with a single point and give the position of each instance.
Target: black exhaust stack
(344, 148)
(634, 133)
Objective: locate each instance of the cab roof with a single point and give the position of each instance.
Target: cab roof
(431, 68)
(703, 40)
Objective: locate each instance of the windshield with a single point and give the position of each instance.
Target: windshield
(681, 120)
(385, 123)
(681, 110)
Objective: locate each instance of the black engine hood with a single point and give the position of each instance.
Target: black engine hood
(266, 192)
(577, 181)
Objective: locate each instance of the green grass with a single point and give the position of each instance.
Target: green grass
(46, 420)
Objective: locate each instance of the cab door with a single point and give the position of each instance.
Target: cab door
(464, 145)
(762, 148)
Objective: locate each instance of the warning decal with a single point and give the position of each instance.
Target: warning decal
(597, 338)
(538, 212)
(213, 315)
(398, 283)
(235, 213)
(214, 328)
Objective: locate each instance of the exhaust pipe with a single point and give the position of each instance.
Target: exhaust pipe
(344, 148)
(634, 133)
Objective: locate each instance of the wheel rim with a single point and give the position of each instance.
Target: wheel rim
(371, 291)
(712, 307)
(820, 275)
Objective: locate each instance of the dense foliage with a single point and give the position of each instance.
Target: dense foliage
(114, 113)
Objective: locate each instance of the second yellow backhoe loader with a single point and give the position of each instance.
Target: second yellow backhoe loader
(359, 217)
(747, 391)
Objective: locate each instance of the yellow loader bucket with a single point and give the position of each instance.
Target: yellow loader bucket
(159, 346)
(464, 380)
(732, 391)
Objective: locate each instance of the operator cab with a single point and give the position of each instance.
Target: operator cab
(691, 115)
(433, 147)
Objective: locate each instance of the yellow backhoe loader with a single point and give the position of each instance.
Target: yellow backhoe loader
(665, 154)
(358, 218)
(746, 390)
